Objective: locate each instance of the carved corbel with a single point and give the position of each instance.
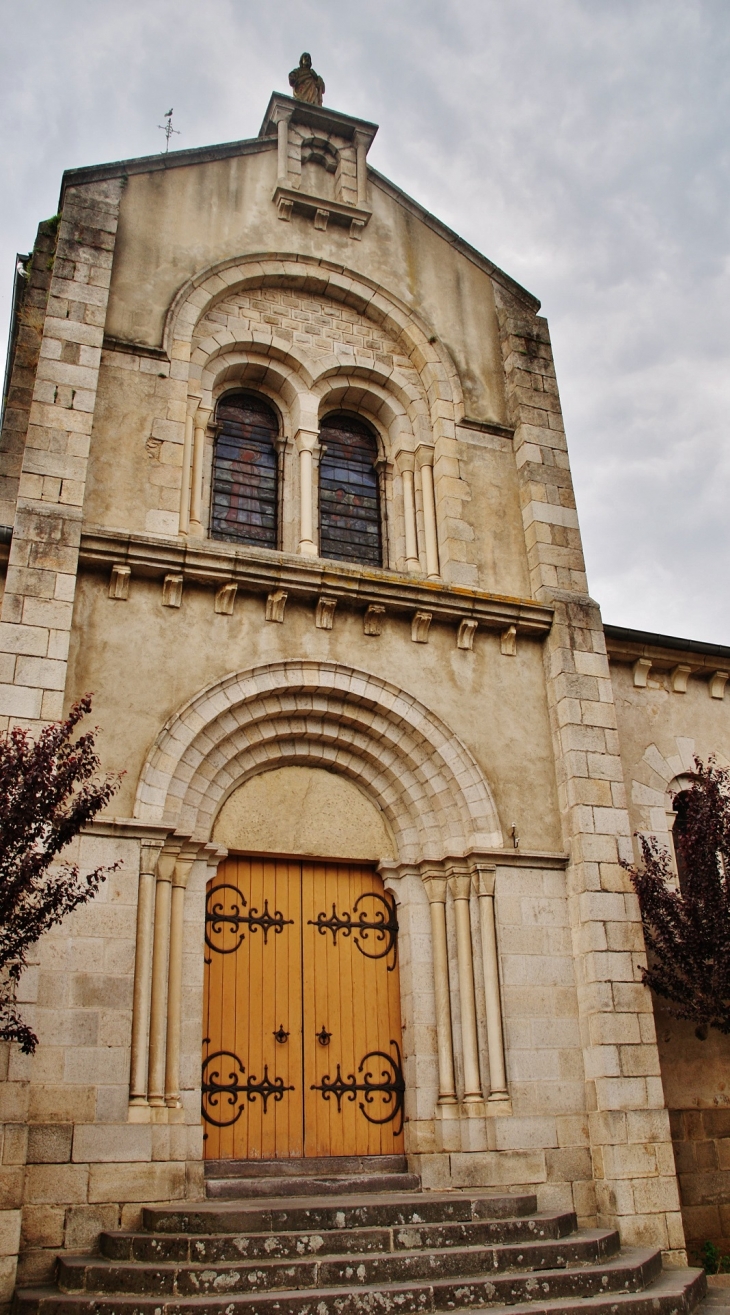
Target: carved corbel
(420, 626)
(642, 667)
(466, 633)
(119, 582)
(172, 591)
(325, 614)
(225, 598)
(373, 620)
(275, 605)
(508, 642)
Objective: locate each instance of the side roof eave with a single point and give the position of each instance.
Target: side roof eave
(252, 146)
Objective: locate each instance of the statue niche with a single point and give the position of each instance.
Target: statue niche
(306, 85)
(319, 169)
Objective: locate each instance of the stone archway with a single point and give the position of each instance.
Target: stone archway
(428, 784)
(429, 788)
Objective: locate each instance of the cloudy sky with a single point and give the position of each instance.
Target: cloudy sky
(583, 145)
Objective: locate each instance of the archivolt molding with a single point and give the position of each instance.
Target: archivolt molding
(398, 409)
(324, 714)
(658, 778)
(429, 357)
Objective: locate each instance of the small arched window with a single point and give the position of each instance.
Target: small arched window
(679, 831)
(244, 499)
(349, 495)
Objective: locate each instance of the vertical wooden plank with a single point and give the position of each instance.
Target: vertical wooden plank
(311, 969)
(244, 994)
(357, 999)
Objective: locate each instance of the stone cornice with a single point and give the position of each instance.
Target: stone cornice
(498, 858)
(257, 571)
(664, 651)
(314, 116)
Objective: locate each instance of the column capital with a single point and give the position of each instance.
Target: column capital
(193, 402)
(281, 114)
(483, 877)
(181, 871)
(148, 856)
(435, 889)
(166, 865)
(306, 440)
(460, 886)
(424, 455)
(405, 460)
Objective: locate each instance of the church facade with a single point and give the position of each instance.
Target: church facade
(286, 486)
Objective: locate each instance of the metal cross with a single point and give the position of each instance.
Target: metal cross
(168, 129)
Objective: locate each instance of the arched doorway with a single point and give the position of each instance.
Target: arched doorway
(302, 1045)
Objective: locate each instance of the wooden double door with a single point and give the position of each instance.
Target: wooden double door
(302, 1039)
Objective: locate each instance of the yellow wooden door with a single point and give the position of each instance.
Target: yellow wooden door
(301, 1053)
(252, 1042)
(353, 1073)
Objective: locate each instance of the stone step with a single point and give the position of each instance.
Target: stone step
(631, 1272)
(86, 1274)
(674, 1292)
(353, 1211)
(318, 1166)
(256, 1188)
(221, 1247)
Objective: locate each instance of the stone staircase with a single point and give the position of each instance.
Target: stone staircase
(322, 1250)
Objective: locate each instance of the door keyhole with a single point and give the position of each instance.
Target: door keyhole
(324, 1037)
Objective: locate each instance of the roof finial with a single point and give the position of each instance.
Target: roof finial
(305, 83)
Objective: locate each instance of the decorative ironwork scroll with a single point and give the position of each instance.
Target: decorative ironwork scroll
(390, 1087)
(218, 921)
(232, 1090)
(382, 925)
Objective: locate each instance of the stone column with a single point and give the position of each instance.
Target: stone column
(425, 459)
(185, 481)
(484, 878)
(361, 150)
(461, 890)
(306, 442)
(406, 465)
(174, 983)
(149, 854)
(160, 962)
(202, 416)
(436, 892)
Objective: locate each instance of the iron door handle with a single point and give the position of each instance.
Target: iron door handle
(324, 1037)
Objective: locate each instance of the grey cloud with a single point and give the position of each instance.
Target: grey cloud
(582, 144)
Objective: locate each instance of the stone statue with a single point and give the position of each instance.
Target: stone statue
(305, 83)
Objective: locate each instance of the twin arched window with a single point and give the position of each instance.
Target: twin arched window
(245, 483)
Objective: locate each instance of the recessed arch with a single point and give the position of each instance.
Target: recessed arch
(431, 789)
(427, 354)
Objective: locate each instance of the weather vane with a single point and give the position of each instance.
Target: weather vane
(168, 129)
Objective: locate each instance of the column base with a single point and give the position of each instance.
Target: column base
(155, 1114)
